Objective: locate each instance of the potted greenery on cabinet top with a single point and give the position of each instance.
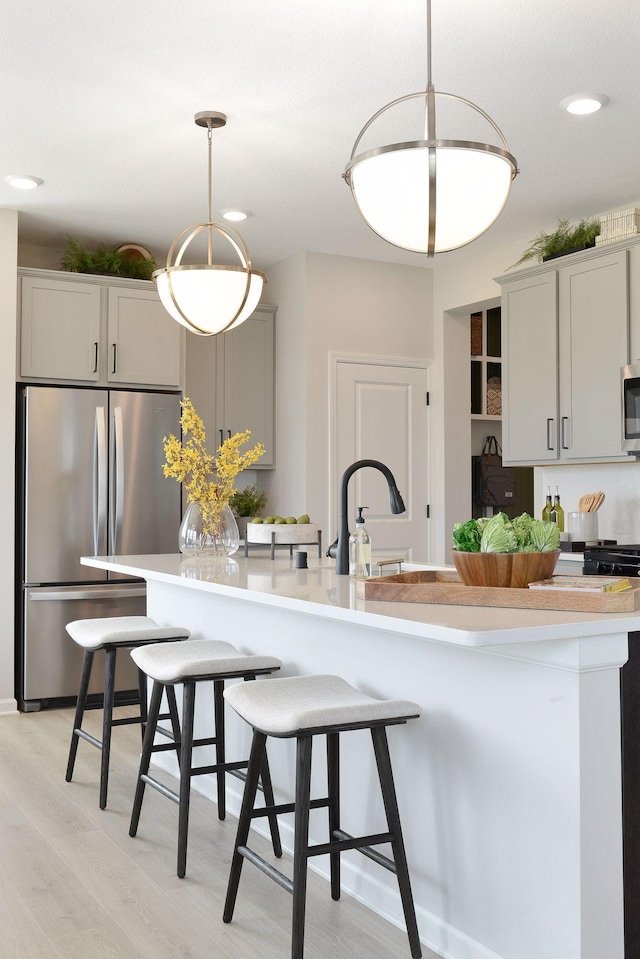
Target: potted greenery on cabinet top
(564, 240)
(124, 261)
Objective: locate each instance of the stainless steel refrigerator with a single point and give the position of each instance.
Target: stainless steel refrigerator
(90, 482)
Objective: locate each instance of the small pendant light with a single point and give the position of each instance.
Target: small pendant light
(209, 298)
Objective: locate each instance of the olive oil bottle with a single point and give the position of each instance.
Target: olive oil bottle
(546, 512)
(557, 512)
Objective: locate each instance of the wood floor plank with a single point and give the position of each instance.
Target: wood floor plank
(74, 885)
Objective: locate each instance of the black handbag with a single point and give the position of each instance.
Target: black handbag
(494, 484)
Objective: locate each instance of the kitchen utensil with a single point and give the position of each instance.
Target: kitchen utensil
(585, 502)
(599, 500)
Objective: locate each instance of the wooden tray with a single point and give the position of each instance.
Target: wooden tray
(442, 586)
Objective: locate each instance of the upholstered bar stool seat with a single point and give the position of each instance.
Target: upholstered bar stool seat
(187, 664)
(111, 634)
(301, 707)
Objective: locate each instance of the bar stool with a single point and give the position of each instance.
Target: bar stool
(187, 664)
(111, 634)
(304, 707)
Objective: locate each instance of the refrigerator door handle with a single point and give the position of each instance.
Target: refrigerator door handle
(58, 596)
(117, 479)
(100, 484)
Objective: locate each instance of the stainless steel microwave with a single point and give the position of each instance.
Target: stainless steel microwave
(631, 408)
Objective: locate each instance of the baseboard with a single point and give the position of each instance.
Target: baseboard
(8, 707)
(439, 936)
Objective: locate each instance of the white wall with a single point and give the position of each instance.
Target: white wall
(8, 287)
(333, 304)
(286, 487)
(619, 515)
(358, 307)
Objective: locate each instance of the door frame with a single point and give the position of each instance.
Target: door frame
(335, 360)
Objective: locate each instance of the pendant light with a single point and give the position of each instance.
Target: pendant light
(431, 195)
(209, 298)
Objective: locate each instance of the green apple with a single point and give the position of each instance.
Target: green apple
(269, 520)
(304, 518)
(290, 520)
(257, 519)
(278, 519)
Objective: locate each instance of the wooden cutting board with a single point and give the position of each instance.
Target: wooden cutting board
(444, 587)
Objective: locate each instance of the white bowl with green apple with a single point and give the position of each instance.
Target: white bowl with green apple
(288, 530)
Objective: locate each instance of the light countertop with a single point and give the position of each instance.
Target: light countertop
(317, 591)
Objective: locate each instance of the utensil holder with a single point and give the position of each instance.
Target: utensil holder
(583, 526)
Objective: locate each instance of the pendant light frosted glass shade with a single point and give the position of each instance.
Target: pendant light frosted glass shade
(392, 189)
(206, 299)
(209, 298)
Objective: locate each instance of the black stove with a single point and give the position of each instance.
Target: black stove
(610, 559)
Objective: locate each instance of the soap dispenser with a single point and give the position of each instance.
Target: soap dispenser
(360, 548)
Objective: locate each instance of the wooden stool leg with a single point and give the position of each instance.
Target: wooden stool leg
(385, 774)
(81, 702)
(142, 686)
(269, 800)
(186, 751)
(218, 716)
(145, 759)
(301, 843)
(256, 759)
(173, 715)
(107, 719)
(333, 781)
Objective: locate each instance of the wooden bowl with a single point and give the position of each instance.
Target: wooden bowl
(515, 570)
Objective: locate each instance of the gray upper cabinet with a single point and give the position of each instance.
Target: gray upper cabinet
(60, 329)
(565, 335)
(96, 330)
(230, 380)
(143, 343)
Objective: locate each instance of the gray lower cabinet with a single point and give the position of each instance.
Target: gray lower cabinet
(565, 335)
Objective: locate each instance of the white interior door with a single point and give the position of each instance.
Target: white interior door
(381, 413)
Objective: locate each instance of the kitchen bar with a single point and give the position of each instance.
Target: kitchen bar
(509, 784)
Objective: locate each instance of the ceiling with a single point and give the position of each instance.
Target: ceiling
(98, 100)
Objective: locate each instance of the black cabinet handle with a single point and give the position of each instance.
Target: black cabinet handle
(229, 433)
(115, 347)
(221, 437)
(95, 358)
(550, 445)
(565, 420)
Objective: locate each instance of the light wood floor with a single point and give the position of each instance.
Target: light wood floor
(74, 885)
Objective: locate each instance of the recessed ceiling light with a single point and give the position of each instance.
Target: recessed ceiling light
(235, 215)
(22, 181)
(583, 103)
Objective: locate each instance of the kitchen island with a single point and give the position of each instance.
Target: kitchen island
(510, 783)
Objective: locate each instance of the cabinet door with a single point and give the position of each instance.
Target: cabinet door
(245, 378)
(530, 370)
(60, 330)
(144, 341)
(594, 344)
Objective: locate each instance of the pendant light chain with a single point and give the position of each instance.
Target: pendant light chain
(210, 217)
(429, 80)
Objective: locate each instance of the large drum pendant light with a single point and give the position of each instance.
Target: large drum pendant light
(209, 298)
(431, 195)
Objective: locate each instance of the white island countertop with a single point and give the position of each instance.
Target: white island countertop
(318, 591)
(509, 783)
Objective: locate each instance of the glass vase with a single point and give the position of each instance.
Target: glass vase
(222, 539)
